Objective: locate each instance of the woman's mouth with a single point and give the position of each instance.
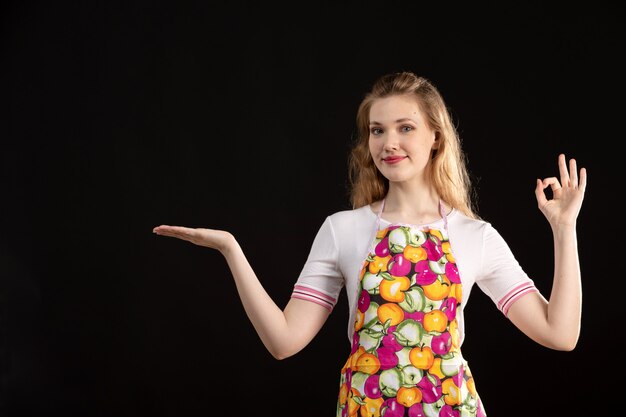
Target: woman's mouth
(394, 159)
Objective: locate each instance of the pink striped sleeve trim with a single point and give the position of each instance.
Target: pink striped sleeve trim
(507, 301)
(315, 296)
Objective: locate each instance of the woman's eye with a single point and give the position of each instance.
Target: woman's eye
(407, 128)
(375, 131)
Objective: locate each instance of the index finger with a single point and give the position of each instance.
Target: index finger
(565, 178)
(573, 172)
(174, 231)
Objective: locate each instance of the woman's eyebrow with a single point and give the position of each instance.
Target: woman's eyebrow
(404, 119)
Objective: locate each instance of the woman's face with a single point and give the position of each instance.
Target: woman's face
(400, 140)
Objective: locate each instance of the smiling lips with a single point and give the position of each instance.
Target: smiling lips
(394, 159)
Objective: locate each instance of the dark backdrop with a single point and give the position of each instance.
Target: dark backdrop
(120, 116)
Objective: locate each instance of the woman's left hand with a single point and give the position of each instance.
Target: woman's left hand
(567, 194)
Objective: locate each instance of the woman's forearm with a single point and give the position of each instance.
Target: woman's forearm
(565, 304)
(266, 317)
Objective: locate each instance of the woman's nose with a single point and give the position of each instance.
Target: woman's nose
(391, 142)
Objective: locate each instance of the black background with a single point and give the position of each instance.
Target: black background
(120, 116)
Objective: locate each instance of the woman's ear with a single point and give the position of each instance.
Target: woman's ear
(435, 147)
(436, 141)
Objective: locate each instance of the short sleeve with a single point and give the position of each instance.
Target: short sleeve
(503, 280)
(321, 280)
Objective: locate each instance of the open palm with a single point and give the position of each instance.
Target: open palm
(211, 238)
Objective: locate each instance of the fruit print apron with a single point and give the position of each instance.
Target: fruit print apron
(405, 359)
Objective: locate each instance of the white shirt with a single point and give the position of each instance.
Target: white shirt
(344, 240)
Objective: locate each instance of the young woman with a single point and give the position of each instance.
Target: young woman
(408, 254)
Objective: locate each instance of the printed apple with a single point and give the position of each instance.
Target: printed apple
(417, 237)
(414, 300)
(390, 381)
(372, 387)
(431, 409)
(451, 393)
(448, 411)
(422, 357)
(447, 249)
(399, 265)
(403, 357)
(431, 388)
(387, 357)
(436, 235)
(435, 321)
(416, 410)
(430, 304)
(364, 301)
(433, 249)
(381, 234)
(358, 380)
(371, 315)
(436, 368)
(409, 332)
(441, 343)
(438, 267)
(371, 337)
(414, 253)
(390, 314)
(354, 402)
(424, 275)
(382, 247)
(392, 288)
(368, 363)
(359, 318)
(378, 264)
(449, 306)
(452, 272)
(451, 364)
(392, 408)
(371, 407)
(351, 363)
(408, 396)
(439, 289)
(398, 239)
(370, 282)
(411, 375)
(389, 340)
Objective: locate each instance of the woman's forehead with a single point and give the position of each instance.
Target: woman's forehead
(394, 109)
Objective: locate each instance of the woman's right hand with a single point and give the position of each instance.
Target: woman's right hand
(211, 238)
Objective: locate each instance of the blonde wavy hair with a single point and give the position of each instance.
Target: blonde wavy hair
(448, 165)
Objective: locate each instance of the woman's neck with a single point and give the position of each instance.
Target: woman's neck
(415, 206)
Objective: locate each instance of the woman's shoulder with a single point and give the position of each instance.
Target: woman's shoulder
(351, 215)
(459, 221)
(348, 221)
(462, 218)
(478, 230)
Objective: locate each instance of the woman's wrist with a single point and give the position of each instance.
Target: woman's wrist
(229, 245)
(564, 231)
